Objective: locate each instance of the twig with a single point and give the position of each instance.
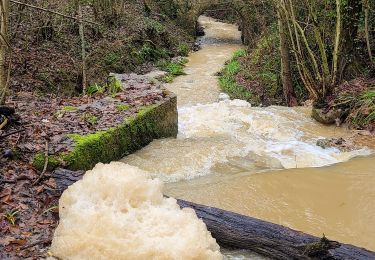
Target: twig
(83, 51)
(45, 165)
(53, 12)
(7, 181)
(12, 133)
(5, 40)
(35, 244)
(4, 123)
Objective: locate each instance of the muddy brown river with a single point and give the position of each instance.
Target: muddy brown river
(261, 162)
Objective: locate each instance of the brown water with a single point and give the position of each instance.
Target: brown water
(261, 162)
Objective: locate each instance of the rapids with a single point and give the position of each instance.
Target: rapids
(261, 162)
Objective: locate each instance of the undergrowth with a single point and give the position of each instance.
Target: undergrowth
(362, 108)
(255, 75)
(227, 78)
(173, 69)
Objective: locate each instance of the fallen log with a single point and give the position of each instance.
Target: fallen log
(235, 231)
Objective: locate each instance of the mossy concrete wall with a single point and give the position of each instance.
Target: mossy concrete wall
(153, 122)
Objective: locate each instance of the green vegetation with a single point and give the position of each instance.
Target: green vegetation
(154, 26)
(114, 85)
(155, 121)
(174, 69)
(183, 49)
(69, 109)
(122, 107)
(91, 119)
(361, 106)
(149, 52)
(227, 78)
(320, 249)
(95, 89)
(128, 34)
(11, 216)
(39, 160)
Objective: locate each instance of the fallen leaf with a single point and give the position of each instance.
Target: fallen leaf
(19, 242)
(39, 189)
(4, 241)
(45, 222)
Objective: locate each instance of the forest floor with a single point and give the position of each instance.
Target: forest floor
(29, 202)
(45, 86)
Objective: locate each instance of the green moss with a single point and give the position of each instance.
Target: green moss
(320, 249)
(235, 91)
(146, 109)
(39, 160)
(155, 121)
(122, 107)
(238, 54)
(169, 78)
(69, 109)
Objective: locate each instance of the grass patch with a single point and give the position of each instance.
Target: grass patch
(69, 109)
(174, 69)
(122, 107)
(113, 86)
(362, 108)
(90, 119)
(227, 78)
(183, 49)
(95, 89)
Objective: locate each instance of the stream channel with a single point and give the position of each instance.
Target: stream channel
(260, 161)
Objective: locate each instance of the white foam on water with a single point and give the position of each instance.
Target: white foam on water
(211, 134)
(117, 212)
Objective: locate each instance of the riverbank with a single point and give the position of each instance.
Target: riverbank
(249, 75)
(74, 133)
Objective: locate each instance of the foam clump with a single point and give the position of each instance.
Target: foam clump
(117, 212)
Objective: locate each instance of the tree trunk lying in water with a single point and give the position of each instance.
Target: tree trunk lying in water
(236, 231)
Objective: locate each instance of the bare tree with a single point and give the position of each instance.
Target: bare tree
(4, 47)
(313, 41)
(286, 75)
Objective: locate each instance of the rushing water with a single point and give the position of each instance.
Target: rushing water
(261, 162)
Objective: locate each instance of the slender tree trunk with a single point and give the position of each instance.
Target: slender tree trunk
(83, 49)
(367, 9)
(336, 51)
(286, 76)
(4, 20)
(351, 19)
